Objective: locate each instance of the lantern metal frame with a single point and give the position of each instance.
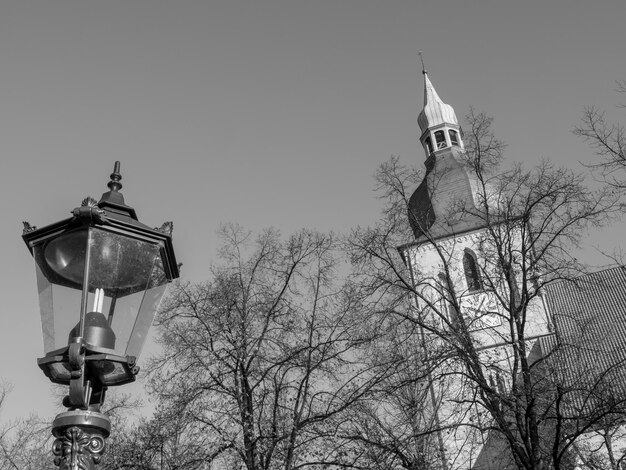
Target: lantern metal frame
(117, 223)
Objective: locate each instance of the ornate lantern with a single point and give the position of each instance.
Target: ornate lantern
(100, 275)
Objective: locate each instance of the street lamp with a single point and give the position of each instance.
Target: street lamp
(100, 275)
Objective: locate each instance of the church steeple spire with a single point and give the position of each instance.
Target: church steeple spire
(446, 202)
(437, 120)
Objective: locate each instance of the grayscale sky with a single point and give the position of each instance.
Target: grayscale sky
(265, 113)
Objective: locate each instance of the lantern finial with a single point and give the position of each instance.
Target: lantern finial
(116, 177)
(113, 200)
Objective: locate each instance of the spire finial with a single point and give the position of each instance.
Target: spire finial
(114, 184)
(424, 71)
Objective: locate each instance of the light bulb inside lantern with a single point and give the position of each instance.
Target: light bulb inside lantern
(98, 301)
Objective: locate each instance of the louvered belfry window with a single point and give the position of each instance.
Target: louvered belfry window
(454, 137)
(440, 138)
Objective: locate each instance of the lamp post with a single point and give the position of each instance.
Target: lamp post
(100, 275)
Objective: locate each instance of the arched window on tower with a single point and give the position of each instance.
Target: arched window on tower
(472, 273)
(454, 137)
(440, 139)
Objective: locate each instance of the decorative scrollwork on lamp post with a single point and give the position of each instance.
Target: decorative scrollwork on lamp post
(77, 448)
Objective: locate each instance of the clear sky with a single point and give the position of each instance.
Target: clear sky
(265, 113)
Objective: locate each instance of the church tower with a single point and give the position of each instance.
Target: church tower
(458, 279)
(449, 188)
(448, 216)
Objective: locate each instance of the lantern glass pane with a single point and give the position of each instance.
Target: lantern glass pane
(132, 329)
(59, 306)
(121, 270)
(149, 307)
(60, 262)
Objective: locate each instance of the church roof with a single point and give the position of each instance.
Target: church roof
(435, 111)
(589, 351)
(445, 202)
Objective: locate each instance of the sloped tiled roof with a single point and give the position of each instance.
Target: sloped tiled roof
(589, 314)
(444, 203)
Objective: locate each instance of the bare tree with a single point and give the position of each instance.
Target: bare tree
(24, 442)
(484, 309)
(163, 441)
(395, 427)
(602, 449)
(258, 361)
(608, 140)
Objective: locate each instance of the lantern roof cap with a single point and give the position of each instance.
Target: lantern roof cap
(113, 200)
